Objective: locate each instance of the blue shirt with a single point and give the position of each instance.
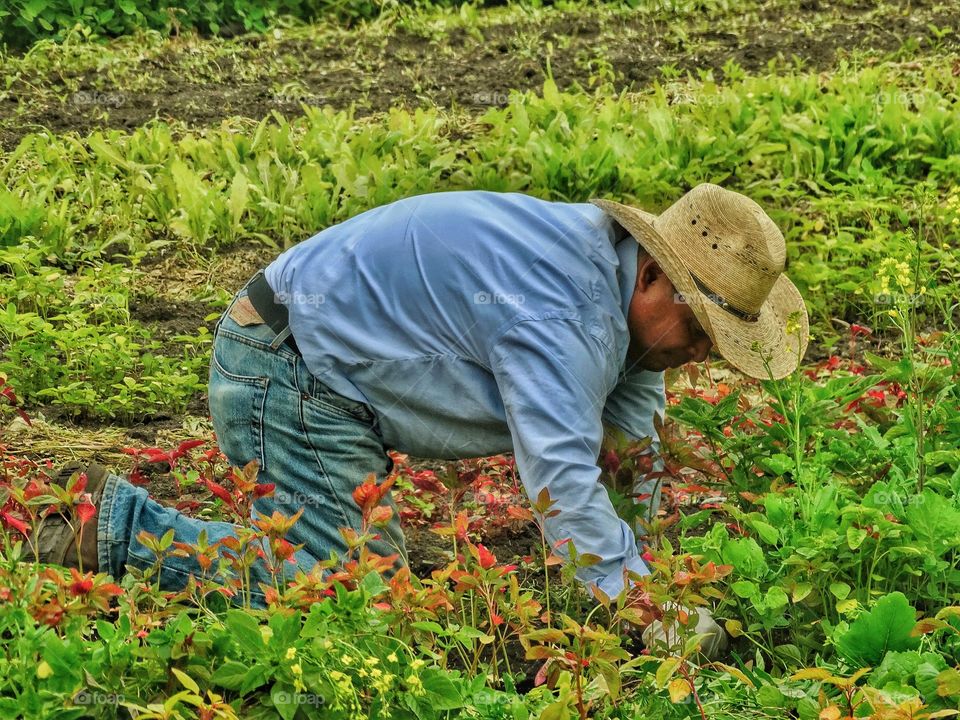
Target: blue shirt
(475, 323)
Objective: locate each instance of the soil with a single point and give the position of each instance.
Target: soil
(168, 319)
(373, 72)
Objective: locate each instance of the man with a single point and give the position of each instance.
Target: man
(463, 324)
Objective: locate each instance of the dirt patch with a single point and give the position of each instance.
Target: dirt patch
(171, 318)
(459, 69)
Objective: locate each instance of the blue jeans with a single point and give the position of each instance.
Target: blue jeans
(314, 444)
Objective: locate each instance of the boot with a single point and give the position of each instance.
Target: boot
(56, 540)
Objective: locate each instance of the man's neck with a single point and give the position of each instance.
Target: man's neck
(620, 232)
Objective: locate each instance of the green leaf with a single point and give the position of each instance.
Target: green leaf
(188, 682)
(444, 694)
(550, 92)
(666, 670)
(777, 464)
(934, 521)
(285, 629)
(429, 626)
(744, 588)
(746, 556)
(840, 590)
(767, 532)
(373, 584)
(885, 627)
(246, 631)
(556, 711)
(855, 537)
(239, 192)
(610, 675)
(801, 590)
(284, 700)
(229, 675)
(776, 597)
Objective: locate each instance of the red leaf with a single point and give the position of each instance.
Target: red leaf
(519, 513)
(188, 445)
(82, 584)
(78, 485)
(155, 455)
(16, 523)
(368, 494)
(541, 676)
(220, 491)
(86, 509)
(264, 489)
(486, 558)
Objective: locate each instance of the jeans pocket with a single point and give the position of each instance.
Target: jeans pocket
(237, 407)
(326, 398)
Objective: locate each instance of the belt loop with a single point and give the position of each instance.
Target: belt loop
(280, 338)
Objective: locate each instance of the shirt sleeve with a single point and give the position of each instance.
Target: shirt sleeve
(631, 407)
(551, 377)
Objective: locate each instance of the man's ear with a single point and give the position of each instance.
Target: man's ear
(648, 271)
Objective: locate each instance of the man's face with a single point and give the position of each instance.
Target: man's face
(664, 333)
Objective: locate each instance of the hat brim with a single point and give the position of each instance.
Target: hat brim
(762, 348)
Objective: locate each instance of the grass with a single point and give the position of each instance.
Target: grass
(810, 504)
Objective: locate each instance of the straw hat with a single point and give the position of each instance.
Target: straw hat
(725, 257)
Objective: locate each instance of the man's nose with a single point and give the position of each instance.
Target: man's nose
(701, 350)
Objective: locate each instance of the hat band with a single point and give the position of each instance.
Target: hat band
(719, 300)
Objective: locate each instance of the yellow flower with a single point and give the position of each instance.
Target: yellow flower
(417, 664)
(384, 683)
(343, 681)
(291, 653)
(296, 669)
(392, 657)
(793, 323)
(416, 685)
(44, 670)
(370, 661)
(346, 659)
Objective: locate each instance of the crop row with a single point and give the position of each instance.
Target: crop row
(852, 167)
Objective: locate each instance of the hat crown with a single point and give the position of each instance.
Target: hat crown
(728, 243)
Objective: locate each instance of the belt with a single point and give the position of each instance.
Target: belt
(274, 313)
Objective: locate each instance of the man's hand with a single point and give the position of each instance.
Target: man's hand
(712, 646)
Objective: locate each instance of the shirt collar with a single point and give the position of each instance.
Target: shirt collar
(627, 249)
